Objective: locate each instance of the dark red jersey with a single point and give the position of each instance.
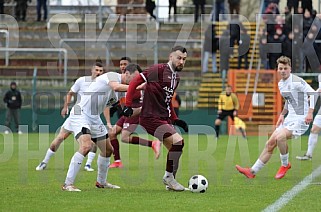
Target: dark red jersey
(159, 90)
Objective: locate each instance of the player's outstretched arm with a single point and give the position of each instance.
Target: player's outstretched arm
(283, 113)
(309, 116)
(107, 117)
(64, 110)
(116, 86)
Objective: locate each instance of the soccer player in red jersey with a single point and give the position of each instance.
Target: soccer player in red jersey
(127, 125)
(157, 114)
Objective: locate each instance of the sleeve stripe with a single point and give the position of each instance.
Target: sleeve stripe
(141, 74)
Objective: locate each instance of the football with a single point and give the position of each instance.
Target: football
(198, 184)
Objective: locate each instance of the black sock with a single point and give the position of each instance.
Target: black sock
(217, 130)
(243, 132)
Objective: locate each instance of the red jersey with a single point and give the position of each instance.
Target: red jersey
(159, 90)
(137, 99)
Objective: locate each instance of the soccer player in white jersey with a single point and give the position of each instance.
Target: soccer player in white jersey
(85, 123)
(295, 91)
(78, 88)
(315, 130)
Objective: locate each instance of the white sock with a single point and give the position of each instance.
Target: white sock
(49, 154)
(313, 140)
(258, 165)
(284, 159)
(168, 174)
(74, 167)
(103, 165)
(91, 156)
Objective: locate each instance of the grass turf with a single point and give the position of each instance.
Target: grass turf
(24, 189)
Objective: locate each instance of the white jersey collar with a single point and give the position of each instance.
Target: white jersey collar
(170, 67)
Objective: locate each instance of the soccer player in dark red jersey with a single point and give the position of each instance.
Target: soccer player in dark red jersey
(127, 125)
(157, 114)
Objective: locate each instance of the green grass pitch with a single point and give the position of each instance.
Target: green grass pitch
(24, 189)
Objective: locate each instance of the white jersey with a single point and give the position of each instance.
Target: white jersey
(317, 118)
(295, 91)
(97, 96)
(81, 85)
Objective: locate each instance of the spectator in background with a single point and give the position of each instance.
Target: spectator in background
(287, 21)
(41, 4)
(272, 8)
(219, 8)
(264, 50)
(297, 53)
(244, 47)
(279, 38)
(306, 5)
(235, 28)
(198, 3)
(172, 4)
(293, 4)
(21, 9)
(176, 102)
(266, 4)
(234, 6)
(307, 22)
(287, 46)
(1, 7)
(14, 101)
(225, 52)
(210, 47)
(150, 6)
(312, 61)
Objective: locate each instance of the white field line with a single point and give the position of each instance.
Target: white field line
(289, 195)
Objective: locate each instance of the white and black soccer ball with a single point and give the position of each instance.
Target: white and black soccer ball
(198, 184)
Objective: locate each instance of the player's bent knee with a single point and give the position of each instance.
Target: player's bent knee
(218, 122)
(270, 146)
(125, 140)
(315, 130)
(85, 149)
(125, 137)
(178, 146)
(280, 138)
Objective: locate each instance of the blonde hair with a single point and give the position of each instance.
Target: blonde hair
(284, 60)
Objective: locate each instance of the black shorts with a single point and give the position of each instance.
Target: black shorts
(225, 113)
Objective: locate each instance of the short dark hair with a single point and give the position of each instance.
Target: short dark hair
(132, 67)
(99, 64)
(179, 48)
(126, 58)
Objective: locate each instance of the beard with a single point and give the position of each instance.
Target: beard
(178, 68)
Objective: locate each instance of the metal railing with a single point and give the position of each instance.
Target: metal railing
(112, 11)
(6, 33)
(59, 50)
(110, 41)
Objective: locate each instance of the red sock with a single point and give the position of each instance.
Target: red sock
(140, 141)
(115, 145)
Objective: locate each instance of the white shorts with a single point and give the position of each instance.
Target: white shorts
(296, 125)
(317, 121)
(75, 123)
